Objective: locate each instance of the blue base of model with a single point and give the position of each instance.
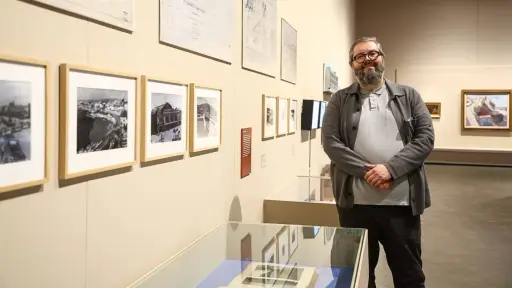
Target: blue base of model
(328, 277)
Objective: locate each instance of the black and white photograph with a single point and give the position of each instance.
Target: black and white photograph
(166, 117)
(270, 116)
(292, 124)
(15, 136)
(207, 117)
(102, 119)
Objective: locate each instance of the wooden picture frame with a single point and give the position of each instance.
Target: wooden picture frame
(485, 109)
(282, 116)
(434, 108)
(98, 120)
(293, 105)
(268, 117)
(205, 112)
(164, 115)
(24, 122)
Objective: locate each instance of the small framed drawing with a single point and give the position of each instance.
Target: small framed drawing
(283, 241)
(97, 121)
(434, 108)
(205, 118)
(270, 259)
(24, 122)
(268, 116)
(292, 117)
(294, 239)
(164, 118)
(485, 109)
(282, 116)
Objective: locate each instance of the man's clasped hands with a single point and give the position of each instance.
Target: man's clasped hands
(378, 176)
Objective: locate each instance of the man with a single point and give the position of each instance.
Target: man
(377, 134)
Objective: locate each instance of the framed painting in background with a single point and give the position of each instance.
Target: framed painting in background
(282, 116)
(292, 117)
(485, 109)
(23, 123)
(288, 52)
(270, 256)
(164, 119)
(205, 118)
(434, 108)
(294, 239)
(283, 241)
(97, 121)
(269, 114)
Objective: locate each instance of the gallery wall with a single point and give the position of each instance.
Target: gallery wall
(108, 230)
(441, 48)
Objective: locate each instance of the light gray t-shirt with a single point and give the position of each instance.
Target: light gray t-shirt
(378, 139)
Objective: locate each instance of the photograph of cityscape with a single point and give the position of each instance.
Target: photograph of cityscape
(166, 117)
(207, 121)
(15, 99)
(102, 119)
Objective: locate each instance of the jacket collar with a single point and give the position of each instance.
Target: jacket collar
(394, 89)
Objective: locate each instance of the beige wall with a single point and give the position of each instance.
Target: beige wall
(107, 232)
(441, 47)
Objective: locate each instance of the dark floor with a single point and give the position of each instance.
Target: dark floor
(467, 232)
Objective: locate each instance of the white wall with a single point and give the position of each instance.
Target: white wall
(108, 231)
(442, 47)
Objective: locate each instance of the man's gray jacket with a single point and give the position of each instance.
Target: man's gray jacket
(339, 132)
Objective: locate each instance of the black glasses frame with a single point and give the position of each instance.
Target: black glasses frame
(376, 54)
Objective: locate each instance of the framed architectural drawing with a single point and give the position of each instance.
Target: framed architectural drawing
(268, 116)
(434, 108)
(259, 36)
(205, 118)
(164, 119)
(292, 116)
(119, 13)
(24, 119)
(202, 26)
(485, 109)
(288, 52)
(282, 116)
(270, 258)
(283, 240)
(97, 121)
(294, 239)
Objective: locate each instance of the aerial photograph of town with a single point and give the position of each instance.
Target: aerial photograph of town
(165, 117)
(15, 98)
(102, 119)
(206, 117)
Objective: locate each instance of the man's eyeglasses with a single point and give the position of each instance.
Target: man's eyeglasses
(372, 55)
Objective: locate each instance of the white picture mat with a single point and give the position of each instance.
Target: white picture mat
(288, 52)
(119, 13)
(282, 123)
(204, 143)
(284, 248)
(77, 163)
(33, 169)
(292, 124)
(203, 26)
(166, 148)
(259, 35)
(315, 114)
(270, 130)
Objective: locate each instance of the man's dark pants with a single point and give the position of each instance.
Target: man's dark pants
(399, 232)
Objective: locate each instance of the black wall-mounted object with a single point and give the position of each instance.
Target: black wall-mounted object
(310, 114)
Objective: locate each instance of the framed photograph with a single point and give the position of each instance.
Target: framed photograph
(283, 241)
(270, 258)
(97, 121)
(205, 118)
(434, 108)
(485, 109)
(268, 116)
(282, 116)
(294, 239)
(164, 116)
(292, 116)
(24, 119)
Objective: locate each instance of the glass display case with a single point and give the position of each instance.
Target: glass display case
(267, 255)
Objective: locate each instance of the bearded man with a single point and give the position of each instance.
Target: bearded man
(378, 134)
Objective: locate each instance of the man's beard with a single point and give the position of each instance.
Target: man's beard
(370, 77)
